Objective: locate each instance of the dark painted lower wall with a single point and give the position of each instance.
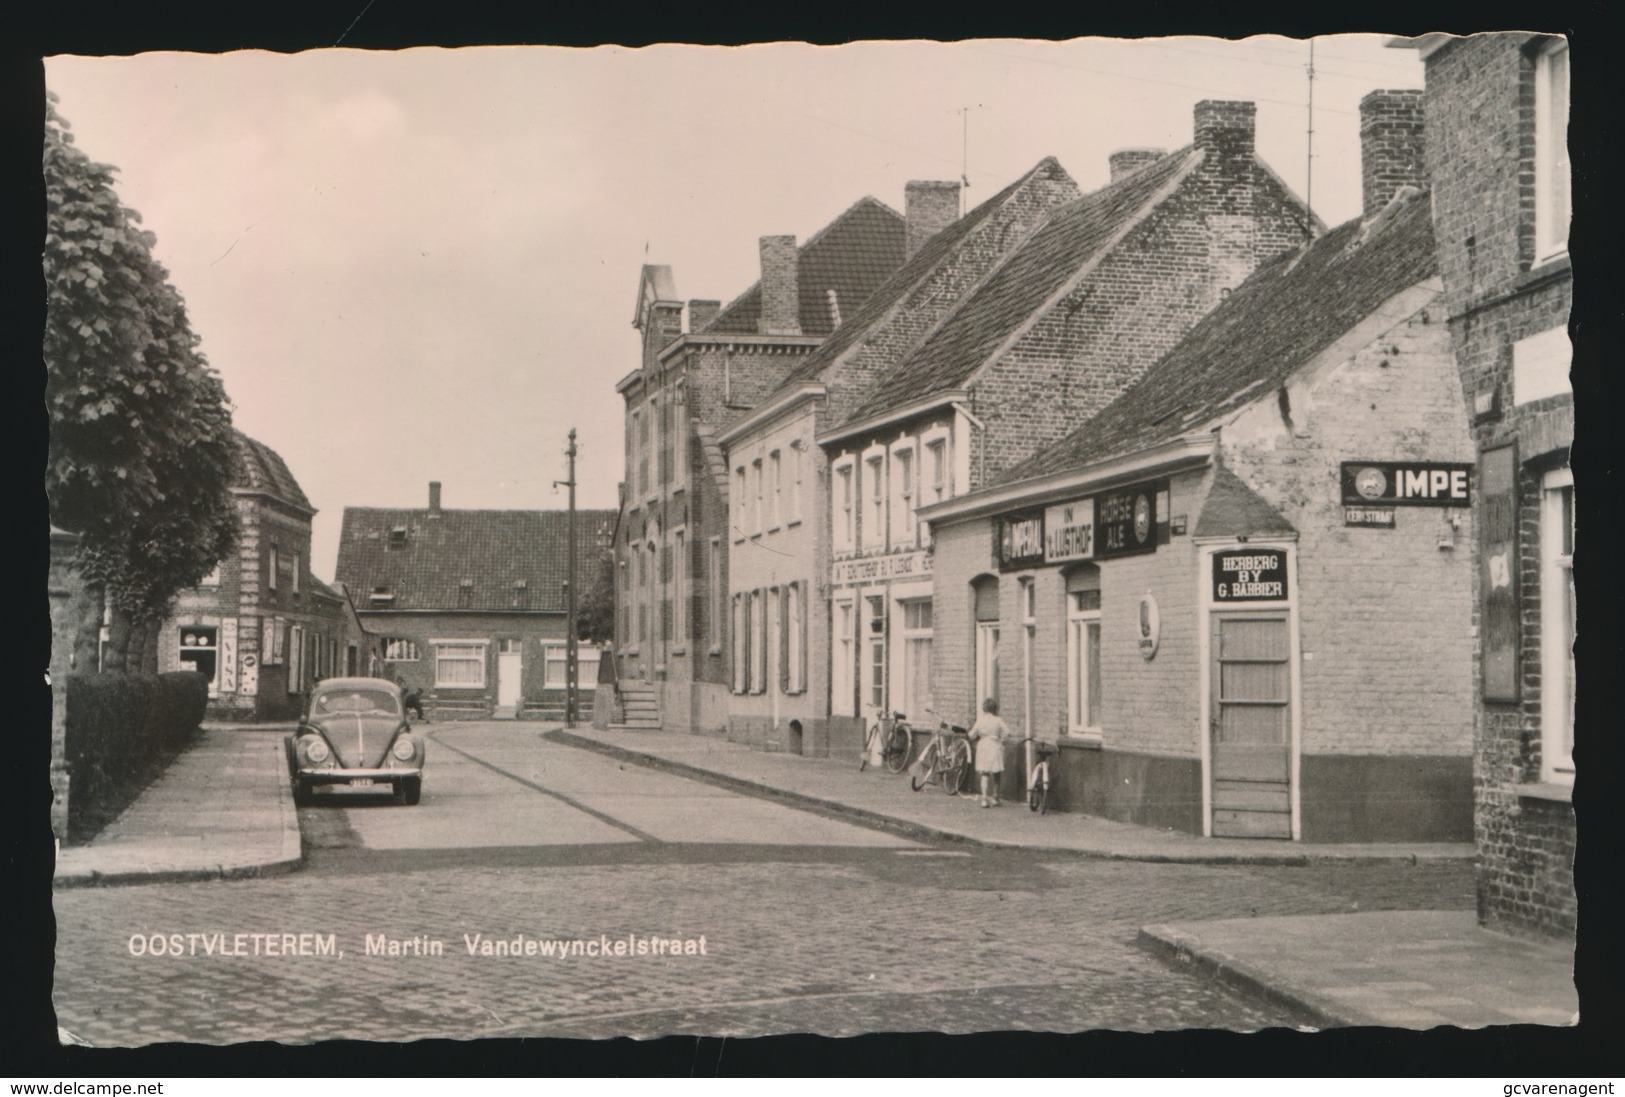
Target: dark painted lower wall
(1146, 790)
(1347, 798)
(817, 737)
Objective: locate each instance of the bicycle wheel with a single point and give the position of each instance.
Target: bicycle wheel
(1043, 797)
(871, 743)
(897, 751)
(953, 774)
(925, 769)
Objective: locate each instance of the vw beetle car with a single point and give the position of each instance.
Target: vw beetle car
(355, 734)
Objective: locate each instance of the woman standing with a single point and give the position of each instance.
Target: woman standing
(989, 733)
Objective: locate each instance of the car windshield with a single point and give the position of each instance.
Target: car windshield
(354, 700)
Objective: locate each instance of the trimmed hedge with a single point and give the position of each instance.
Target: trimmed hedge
(122, 731)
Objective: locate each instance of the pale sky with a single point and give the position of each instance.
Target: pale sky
(422, 265)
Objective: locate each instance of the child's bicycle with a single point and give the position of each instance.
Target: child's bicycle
(946, 758)
(1038, 778)
(890, 741)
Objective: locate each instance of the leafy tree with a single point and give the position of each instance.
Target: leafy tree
(595, 606)
(141, 454)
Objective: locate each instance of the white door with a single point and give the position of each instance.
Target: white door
(509, 665)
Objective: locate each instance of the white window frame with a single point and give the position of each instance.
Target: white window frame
(758, 642)
(795, 645)
(915, 700)
(903, 477)
(1553, 192)
(679, 584)
(1079, 646)
(740, 489)
(295, 582)
(935, 448)
(843, 620)
(719, 596)
(273, 558)
(843, 501)
(399, 649)
(798, 459)
(1556, 628)
(459, 642)
(872, 492)
(740, 652)
(775, 489)
(756, 510)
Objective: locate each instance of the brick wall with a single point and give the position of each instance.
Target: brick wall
(1385, 616)
(1480, 152)
(1074, 358)
(1391, 146)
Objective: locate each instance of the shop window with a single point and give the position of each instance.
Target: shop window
(1083, 651)
(985, 599)
(1557, 631)
(200, 651)
(459, 665)
(1552, 151)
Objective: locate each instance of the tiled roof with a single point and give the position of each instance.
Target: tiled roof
(1291, 309)
(1014, 293)
(932, 254)
(261, 469)
(425, 565)
(1232, 509)
(851, 255)
(324, 590)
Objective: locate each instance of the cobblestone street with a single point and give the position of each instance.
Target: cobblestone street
(837, 933)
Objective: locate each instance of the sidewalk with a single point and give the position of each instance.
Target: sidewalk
(222, 809)
(1399, 969)
(884, 799)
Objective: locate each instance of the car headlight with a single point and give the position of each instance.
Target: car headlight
(317, 751)
(404, 748)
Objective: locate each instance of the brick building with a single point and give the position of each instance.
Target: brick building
(262, 627)
(1224, 596)
(1100, 288)
(1497, 107)
(778, 567)
(671, 544)
(470, 605)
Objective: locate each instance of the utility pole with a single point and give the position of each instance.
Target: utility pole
(571, 664)
(1309, 164)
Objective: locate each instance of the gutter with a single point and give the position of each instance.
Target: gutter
(1185, 452)
(945, 399)
(762, 413)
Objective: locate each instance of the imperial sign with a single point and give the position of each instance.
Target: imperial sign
(1406, 483)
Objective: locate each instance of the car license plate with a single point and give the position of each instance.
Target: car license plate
(361, 782)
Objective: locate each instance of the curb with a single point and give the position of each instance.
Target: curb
(290, 858)
(908, 828)
(1186, 952)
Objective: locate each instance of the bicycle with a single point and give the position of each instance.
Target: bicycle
(1038, 777)
(946, 758)
(889, 740)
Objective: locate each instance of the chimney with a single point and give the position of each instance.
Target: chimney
(1128, 161)
(928, 208)
(1225, 127)
(434, 498)
(1390, 147)
(701, 313)
(781, 287)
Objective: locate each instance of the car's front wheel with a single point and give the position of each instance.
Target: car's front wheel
(408, 790)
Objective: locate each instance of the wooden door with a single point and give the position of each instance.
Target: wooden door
(1252, 727)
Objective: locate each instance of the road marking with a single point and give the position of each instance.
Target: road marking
(642, 836)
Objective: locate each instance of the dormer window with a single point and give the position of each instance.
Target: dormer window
(465, 594)
(397, 536)
(381, 596)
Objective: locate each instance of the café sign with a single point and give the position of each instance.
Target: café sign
(1126, 520)
(1069, 532)
(1249, 575)
(1405, 484)
(876, 569)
